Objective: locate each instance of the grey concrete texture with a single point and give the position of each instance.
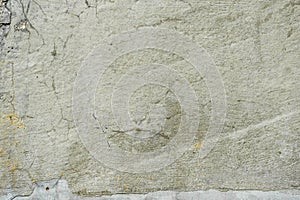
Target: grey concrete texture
(58, 190)
(251, 47)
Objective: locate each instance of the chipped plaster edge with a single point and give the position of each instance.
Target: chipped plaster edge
(58, 189)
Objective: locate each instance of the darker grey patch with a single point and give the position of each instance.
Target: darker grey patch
(5, 21)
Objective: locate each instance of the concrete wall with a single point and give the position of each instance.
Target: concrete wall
(139, 96)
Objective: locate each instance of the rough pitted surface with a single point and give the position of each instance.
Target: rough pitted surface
(254, 45)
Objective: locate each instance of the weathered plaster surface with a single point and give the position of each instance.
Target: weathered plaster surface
(58, 190)
(255, 47)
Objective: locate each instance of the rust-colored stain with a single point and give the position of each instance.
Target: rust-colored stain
(14, 120)
(151, 178)
(13, 168)
(8, 162)
(197, 145)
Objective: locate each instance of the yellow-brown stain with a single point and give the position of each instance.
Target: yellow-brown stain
(197, 145)
(61, 174)
(13, 167)
(125, 187)
(14, 120)
(82, 191)
(9, 123)
(151, 178)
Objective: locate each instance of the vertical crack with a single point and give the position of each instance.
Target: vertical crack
(5, 21)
